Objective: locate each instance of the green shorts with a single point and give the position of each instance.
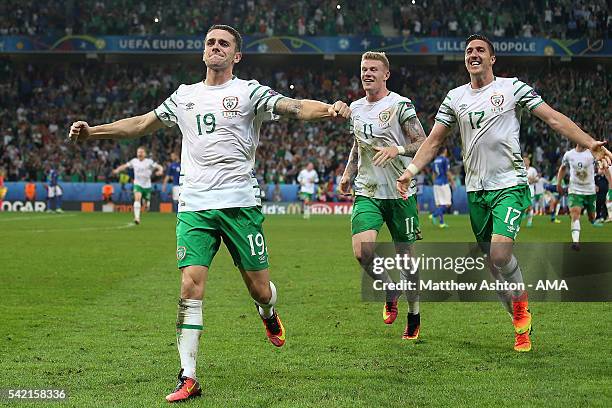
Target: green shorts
(308, 197)
(537, 197)
(498, 211)
(199, 235)
(583, 201)
(146, 192)
(401, 217)
(610, 195)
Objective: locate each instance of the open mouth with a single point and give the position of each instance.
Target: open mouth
(475, 63)
(368, 80)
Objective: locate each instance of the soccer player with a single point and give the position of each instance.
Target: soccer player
(173, 173)
(54, 191)
(143, 170)
(387, 131)
(219, 119)
(308, 178)
(608, 174)
(581, 191)
(442, 189)
(487, 111)
(532, 179)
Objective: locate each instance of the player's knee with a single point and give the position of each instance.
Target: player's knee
(500, 257)
(190, 287)
(363, 256)
(260, 292)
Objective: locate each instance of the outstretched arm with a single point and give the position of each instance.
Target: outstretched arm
(121, 168)
(128, 128)
(414, 135)
(564, 125)
(424, 155)
(350, 170)
(307, 109)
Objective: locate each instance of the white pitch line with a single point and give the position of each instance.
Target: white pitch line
(130, 225)
(36, 217)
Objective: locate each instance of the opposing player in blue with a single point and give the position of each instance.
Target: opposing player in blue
(173, 174)
(54, 191)
(442, 188)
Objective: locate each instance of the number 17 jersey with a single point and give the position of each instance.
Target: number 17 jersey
(220, 126)
(489, 120)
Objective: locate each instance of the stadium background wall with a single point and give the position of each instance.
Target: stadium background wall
(76, 193)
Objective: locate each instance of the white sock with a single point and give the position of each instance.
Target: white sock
(306, 210)
(576, 231)
(512, 274)
(530, 216)
(137, 210)
(267, 309)
(557, 208)
(189, 328)
(609, 205)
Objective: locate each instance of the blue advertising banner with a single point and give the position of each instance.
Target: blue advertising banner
(303, 45)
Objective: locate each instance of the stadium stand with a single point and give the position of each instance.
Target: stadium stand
(505, 18)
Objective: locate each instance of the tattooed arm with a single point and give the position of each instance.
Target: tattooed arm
(307, 109)
(414, 135)
(350, 170)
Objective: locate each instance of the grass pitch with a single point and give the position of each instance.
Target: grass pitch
(88, 304)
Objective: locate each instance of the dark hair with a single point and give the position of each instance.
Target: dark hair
(231, 30)
(482, 38)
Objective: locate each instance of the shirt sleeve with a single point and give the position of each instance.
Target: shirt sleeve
(525, 95)
(130, 164)
(405, 111)
(166, 112)
(565, 161)
(446, 115)
(263, 99)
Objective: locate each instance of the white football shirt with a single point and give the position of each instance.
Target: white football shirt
(220, 126)
(309, 178)
(489, 120)
(380, 124)
(581, 171)
(143, 170)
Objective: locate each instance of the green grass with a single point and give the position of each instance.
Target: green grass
(89, 305)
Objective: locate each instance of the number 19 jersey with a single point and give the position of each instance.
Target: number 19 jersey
(220, 126)
(489, 120)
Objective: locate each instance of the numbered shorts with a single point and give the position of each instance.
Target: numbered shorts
(199, 235)
(146, 192)
(401, 217)
(442, 195)
(498, 211)
(583, 201)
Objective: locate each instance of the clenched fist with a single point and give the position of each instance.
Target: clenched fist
(79, 132)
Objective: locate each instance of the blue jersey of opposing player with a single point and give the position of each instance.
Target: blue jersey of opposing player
(440, 166)
(174, 171)
(52, 178)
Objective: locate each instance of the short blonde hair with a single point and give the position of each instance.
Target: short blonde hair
(378, 56)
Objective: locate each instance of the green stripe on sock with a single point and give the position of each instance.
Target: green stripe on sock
(190, 326)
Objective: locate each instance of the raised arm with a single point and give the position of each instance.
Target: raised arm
(566, 127)
(307, 109)
(350, 170)
(424, 155)
(414, 136)
(128, 128)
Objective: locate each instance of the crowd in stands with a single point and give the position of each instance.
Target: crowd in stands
(497, 18)
(504, 18)
(42, 100)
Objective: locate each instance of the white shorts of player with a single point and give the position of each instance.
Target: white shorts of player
(53, 191)
(176, 191)
(442, 195)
